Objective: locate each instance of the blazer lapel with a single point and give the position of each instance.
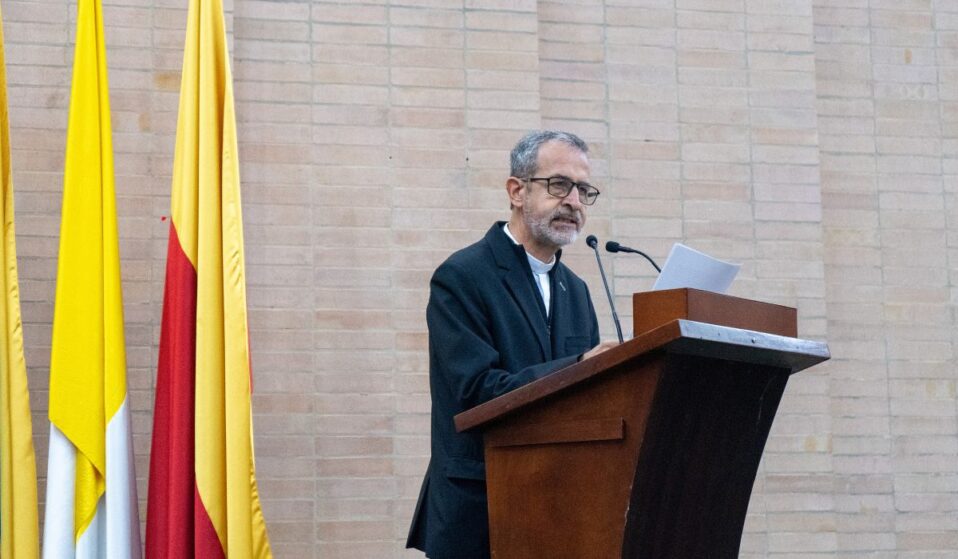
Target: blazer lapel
(522, 291)
(560, 304)
(518, 280)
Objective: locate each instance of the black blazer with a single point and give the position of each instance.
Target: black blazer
(488, 334)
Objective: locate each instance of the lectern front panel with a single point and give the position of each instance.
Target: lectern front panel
(563, 477)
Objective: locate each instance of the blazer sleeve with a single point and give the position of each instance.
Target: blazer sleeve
(461, 343)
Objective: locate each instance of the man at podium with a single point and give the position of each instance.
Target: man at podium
(502, 312)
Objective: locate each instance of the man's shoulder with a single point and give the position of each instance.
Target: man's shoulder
(475, 253)
(477, 256)
(468, 258)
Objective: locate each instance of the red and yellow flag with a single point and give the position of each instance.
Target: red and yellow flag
(203, 499)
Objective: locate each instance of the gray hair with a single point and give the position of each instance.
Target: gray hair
(525, 156)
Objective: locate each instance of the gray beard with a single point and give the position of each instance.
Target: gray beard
(546, 235)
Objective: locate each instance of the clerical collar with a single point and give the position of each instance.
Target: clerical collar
(538, 266)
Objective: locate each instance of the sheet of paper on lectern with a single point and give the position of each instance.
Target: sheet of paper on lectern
(687, 267)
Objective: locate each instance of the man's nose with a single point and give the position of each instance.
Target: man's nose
(572, 199)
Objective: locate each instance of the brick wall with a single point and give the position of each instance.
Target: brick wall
(815, 141)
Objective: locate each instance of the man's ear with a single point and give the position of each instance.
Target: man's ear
(514, 188)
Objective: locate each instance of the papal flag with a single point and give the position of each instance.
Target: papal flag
(91, 506)
(18, 470)
(203, 498)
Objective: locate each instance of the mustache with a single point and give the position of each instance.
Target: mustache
(565, 213)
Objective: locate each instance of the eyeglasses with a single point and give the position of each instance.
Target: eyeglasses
(560, 187)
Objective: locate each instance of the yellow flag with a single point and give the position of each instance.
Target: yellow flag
(18, 472)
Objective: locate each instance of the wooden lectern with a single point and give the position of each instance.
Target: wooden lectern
(650, 449)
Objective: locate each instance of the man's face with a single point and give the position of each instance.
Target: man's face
(555, 222)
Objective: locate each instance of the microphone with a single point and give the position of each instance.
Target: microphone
(594, 243)
(613, 246)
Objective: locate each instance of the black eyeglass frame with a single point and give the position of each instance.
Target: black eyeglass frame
(587, 193)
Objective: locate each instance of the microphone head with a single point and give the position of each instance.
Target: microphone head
(612, 246)
(591, 241)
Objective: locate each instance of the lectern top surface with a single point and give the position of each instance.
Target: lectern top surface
(684, 337)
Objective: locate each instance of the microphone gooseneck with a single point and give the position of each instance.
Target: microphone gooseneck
(594, 243)
(613, 246)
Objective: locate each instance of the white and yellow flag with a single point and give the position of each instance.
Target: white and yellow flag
(91, 505)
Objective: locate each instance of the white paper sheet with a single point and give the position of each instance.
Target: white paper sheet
(687, 267)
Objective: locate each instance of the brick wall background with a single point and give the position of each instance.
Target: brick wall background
(815, 141)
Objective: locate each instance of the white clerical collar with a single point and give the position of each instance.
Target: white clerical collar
(540, 272)
(538, 266)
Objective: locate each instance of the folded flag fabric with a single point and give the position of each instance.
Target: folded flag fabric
(19, 537)
(203, 499)
(91, 502)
